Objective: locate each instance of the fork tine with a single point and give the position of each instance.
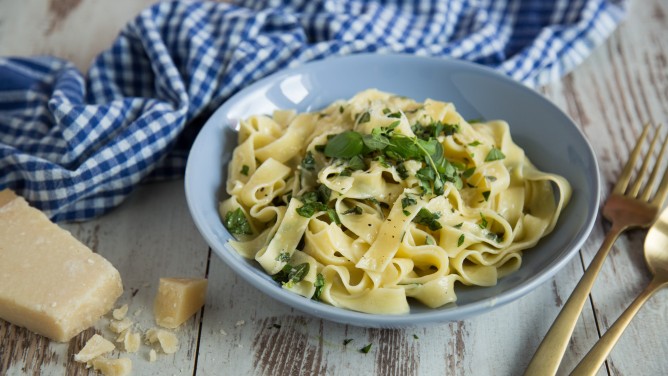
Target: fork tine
(655, 172)
(662, 191)
(635, 188)
(624, 178)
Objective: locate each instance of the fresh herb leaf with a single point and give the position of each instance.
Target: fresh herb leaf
(475, 120)
(345, 145)
(283, 257)
(366, 349)
(430, 240)
(395, 115)
(494, 155)
(333, 216)
(485, 195)
(298, 273)
(458, 225)
(483, 221)
(415, 336)
(347, 341)
(364, 118)
(475, 143)
(319, 285)
(308, 163)
(236, 223)
(354, 210)
(307, 210)
(375, 141)
(324, 193)
(244, 170)
(407, 201)
(401, 170)
(356, 163)
(460, 241)
(468, 172)
(429, 219)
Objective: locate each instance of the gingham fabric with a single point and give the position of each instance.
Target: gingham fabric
(76, 145)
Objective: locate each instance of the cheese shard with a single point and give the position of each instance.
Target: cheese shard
(113, 367)
(167, 340)
(50, 282)
(177, 300)
(94, 347)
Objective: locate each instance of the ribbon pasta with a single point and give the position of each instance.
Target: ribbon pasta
(380, 198)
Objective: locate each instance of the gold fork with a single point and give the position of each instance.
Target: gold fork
(625, 208)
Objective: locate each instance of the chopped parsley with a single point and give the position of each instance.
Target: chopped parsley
(354, 210)
(308, 163)
(429, 219)
(347, 341)
(319, 285)
(236, 223)
(366, 349)
(283, 257)
(460, 241)
(494, 155)
(244, 170)
(289, 275)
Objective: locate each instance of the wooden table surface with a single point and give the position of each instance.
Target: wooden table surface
(240, 331)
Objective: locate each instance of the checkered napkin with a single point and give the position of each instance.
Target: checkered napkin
(76, 145)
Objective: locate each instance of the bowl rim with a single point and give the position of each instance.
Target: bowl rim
(342, 315)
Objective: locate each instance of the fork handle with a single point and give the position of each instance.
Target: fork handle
(551, 350)
(597, 355)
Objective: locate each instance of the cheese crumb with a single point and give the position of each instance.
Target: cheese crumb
(168, 341)
(119, 313)
(152, 356)
(113, 367)
(95, 347)
(119, 326)
(240, 323)
(132, 342)
(223, 332)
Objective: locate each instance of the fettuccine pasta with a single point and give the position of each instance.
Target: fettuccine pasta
(378, 199)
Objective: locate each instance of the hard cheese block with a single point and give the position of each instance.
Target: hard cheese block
(177, 300)
(50, 283)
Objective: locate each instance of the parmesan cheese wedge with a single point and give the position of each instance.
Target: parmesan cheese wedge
(177, 300)
(50, 282)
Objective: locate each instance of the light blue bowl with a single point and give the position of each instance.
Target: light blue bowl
(551, 140)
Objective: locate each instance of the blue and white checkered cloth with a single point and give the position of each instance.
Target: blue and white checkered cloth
(75, 146)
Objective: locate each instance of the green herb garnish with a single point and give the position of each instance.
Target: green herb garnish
(365, 349)
(460, 241)
(308, 163)
(429, 219)
(236, 223)
(319, 285)
(344, 145)
(244, 170)
(494, 155)
(354, 210)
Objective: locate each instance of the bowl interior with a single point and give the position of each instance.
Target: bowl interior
(551, 141)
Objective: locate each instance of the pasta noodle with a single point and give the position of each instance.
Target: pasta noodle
(379, 198)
